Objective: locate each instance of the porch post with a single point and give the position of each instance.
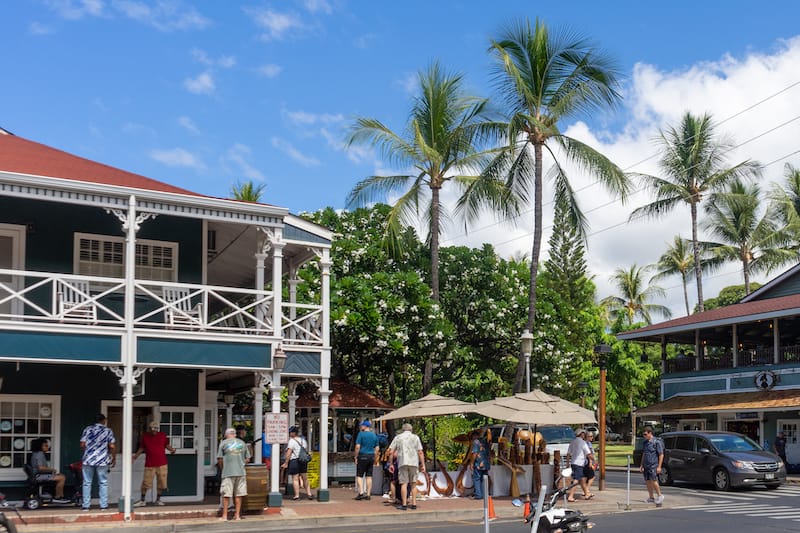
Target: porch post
(663, 355)
(293, 283)
(260, 258)
(698, 354)
(277, 287)
(275, 498)
(735, 350)
(292, 403)
(258, 417)
(130, 226)
(776, 342)
(323, 494)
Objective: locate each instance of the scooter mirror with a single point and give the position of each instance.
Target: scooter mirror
(516, 502)
(567, 472)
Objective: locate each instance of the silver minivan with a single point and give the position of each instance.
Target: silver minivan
(719, 458)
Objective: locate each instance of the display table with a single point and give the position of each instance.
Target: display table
(501, 480)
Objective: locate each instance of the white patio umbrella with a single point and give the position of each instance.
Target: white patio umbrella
(430, 405)
(535, 408)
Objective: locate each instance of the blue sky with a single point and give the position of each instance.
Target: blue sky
(204, 94)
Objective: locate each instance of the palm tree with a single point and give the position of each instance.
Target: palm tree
(759, 243)
(786, 200)
(693, 165)
(545, 78)
(247, 191)
(634, 298)
(677, 260)
(441, 144)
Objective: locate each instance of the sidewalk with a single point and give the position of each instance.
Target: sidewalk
(342, 510)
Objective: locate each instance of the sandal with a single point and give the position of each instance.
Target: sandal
(589, 497)
(571, 500)
(296, 498)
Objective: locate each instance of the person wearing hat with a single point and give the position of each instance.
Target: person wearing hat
(98, 445)
(298, 470)
(579, 451)
(153, 444)
(367, 453)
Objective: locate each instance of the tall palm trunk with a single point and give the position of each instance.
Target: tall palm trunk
(698, 271)
(427, 376)
(685, 293)
(535, 252)
(746, 272)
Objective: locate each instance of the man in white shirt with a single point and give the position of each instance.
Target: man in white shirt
(579, 451)
(410, 461)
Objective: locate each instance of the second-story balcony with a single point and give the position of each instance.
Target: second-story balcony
(746, 358)
(34, 300)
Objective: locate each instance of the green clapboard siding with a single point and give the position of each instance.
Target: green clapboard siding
(710, 385)
(182, 475)
(30, 345)
(203, 353)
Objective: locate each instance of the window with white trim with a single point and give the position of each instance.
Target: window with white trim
(180, 425)
(791, 430)
(23, 418)
(104, 255)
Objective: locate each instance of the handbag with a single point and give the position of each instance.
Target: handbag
(302, 455)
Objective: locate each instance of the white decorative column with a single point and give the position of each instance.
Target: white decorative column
(323, 494)
(277, 279)
(776, 343)
(325, 371)
(275, 498)
(260, 310)
(258, 416)
(292, 403)
(293, 283)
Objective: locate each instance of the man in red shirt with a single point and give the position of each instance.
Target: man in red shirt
(153, 444)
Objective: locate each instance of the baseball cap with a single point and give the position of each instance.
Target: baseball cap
(366, 424)
(293, 429)
(154, 425)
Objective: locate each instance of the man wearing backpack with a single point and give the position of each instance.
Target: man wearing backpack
(367, 450)
(296, 462)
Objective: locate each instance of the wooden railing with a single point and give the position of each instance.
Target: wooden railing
(745, 358)
(51, 298)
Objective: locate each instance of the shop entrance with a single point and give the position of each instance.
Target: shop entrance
(749, 429)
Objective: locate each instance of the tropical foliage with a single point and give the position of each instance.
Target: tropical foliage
(634, 297)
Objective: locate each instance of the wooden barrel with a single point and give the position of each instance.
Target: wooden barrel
(257, 487)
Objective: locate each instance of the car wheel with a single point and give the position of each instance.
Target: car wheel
(664, 478)
(722, 480)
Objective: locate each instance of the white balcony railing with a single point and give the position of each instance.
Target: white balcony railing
(41, 297)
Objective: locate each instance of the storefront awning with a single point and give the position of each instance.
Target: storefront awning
(780, 400)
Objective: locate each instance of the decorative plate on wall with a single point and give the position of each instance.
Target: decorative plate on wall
(45, 411)
(19, 444)
(5, 461)
(5, 425)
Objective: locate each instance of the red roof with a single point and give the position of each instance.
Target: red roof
(729, 312)
(345, 395)
(21, 156)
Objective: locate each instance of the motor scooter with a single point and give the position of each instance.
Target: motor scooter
(555, 519)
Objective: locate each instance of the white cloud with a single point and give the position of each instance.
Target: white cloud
(202, 84)
(77, 9)
(269, 70)
(288, 149)
(178, 157)
(318, 6)
(364, 41)
(275, 25)
(164, 15)
(37, 28)
(239, 155)
(202, 57)
(305, 118)
(409, 83)
(189, 125)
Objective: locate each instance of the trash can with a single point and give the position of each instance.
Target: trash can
(257, 487)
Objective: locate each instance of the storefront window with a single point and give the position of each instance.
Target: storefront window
(179, 424)
(24, 418)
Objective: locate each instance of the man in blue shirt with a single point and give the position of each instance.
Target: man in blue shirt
(97, 443)
(367, 450)
(479, 461)
(652, 459)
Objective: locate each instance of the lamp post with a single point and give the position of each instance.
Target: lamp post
(275, 389)
(602, 350)
(527, 348)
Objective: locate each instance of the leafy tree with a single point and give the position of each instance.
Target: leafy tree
(693, 165)
(634, 298)
(545, 78)
(247, 191)
(730, 295)
(677, 260)
(440, 145)
(758, 243)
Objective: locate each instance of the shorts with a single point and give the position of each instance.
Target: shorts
(296, 467)
(588, 472)
(364, 465)
(160, 473)
(407, 474)
(577, 472)
(650, 473)
(233, 486)
(45, 477)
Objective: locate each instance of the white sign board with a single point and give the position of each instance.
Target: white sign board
(276, 428)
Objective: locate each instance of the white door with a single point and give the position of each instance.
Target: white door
(12, 256)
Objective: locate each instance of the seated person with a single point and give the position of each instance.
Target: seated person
(42, 469)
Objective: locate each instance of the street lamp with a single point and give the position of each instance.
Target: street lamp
(275, 389)
(602, 350)
(527, 348)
